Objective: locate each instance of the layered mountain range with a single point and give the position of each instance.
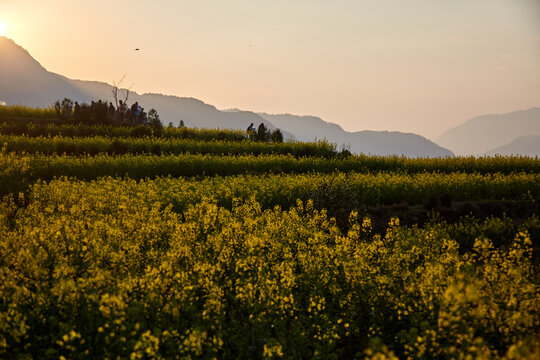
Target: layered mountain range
(514, 133)
(307, 128)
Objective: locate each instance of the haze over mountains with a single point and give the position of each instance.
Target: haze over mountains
(523, 145)
(24, 81)
(491, 133)
(307, 128)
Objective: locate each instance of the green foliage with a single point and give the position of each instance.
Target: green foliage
(153, 119)
(265, 135)
(146, 140)
(276, 136)
(40, 166)
(64, 109)
(26, 112)
(32, 128)
(262, 133)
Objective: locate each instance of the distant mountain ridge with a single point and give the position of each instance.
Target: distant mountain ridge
(484, 133)
(24, 81)
(307, 128)
(523, 145)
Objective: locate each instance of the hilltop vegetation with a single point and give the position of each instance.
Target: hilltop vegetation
(20, 112)
(136, 240)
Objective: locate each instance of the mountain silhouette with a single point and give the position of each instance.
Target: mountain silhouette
(24, 81)
(523, 145)
(307, 128)
(485, 133)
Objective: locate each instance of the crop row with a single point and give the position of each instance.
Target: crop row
(130, 277)
(328, 191)
(27, 112)
(22, 169)
(35, 128)
(96, 145)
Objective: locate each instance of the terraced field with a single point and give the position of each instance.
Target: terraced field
(189, 243)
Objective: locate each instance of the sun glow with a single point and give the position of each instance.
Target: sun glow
(3, 28)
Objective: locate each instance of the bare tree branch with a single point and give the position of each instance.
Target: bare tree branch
(116, 88)
(127, 93)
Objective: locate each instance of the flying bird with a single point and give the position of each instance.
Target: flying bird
(137, 49)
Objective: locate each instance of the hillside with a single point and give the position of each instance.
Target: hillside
(24, 81)
(484, 133)
(523, 145)
(307, 128)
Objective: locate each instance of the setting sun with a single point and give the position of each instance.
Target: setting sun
(3, 28)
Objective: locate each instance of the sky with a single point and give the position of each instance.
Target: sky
(419, 66)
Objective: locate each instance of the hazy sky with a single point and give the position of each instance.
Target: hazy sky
(417, 66)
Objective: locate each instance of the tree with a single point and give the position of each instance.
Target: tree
(153, 119)
(262, 134)
(63, 109)
(277, 136)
